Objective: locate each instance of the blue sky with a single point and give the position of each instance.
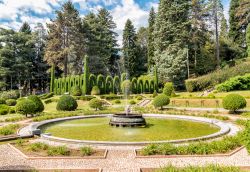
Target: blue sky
(14, 12)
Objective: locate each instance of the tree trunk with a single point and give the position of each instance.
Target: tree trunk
(217, 33)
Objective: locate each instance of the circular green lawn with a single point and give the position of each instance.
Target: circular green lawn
(157, 129)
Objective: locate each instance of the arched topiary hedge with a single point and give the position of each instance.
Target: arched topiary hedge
(67, 84)
(146, 86)
(81, 80)
(63, 87)
(116, 84)
(134, 86)
(77, 80)
(151, 86)
(124, 77)
(109, 84)
(140, 85)
(92, 81)
(101, 83)
(59, 86)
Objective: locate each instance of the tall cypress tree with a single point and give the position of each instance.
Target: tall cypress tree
(151, 22)
(129, 48)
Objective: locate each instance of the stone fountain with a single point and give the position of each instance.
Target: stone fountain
(127, 119)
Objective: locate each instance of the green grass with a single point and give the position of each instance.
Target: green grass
(157, 129)
(207, 168)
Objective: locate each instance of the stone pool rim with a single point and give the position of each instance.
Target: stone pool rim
(224, 129)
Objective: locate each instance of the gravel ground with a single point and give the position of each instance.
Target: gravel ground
(117, 160)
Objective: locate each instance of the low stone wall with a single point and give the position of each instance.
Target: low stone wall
(225, 128)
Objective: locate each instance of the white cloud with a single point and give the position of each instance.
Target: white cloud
(128, 10)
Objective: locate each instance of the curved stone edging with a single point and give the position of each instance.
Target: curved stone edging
(224, 129)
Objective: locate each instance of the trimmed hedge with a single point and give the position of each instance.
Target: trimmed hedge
(11, 102)
(4, 109)
(234, 102)
(235, 83)
(101, 83)
(66, 103)
(12, 94)
(200, 148)
(2, 101)
(216, 77)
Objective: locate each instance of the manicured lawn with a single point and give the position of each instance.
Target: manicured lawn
(157, 129)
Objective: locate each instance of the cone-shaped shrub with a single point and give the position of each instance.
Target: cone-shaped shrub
(95, 91)
(76, 91)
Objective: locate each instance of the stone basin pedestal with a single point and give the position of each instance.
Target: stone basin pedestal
(127, 120)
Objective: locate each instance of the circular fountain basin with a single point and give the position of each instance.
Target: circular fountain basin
(127, 120)
(129, 136)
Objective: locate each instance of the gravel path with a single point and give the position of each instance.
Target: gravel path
(116, 161)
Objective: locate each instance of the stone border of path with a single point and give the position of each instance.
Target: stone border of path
(225, 128)
(58, 157)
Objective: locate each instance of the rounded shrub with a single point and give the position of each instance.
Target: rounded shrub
(4, 109)
(161, 100)
(11, 102)
(25, 107)
(66, 103)
(117, 101)
(168, 89)
(155, 94)
(76, 91)
(39, 107)
(95, 103)
(234, 102)
(132, 102)
(2, 101)
(95, 90)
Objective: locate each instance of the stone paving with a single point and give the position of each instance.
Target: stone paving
(119, 159)
(116, 161)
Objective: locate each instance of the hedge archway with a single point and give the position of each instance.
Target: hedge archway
(140, 86)
(146, 86)
(116, 84)
(101, 83)
(92, 81)
(151, 86)
(134, 85)
(109, 84)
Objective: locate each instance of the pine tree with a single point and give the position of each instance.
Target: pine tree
(142, 50)
(25, 28)
(129, 48)
(91, 33)
(233, 30)
(107, 39)
(65, 40)
(216, 9)
(171, 37)
(224, 27)
(151, 22)
(198, 36)
(248, 39)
